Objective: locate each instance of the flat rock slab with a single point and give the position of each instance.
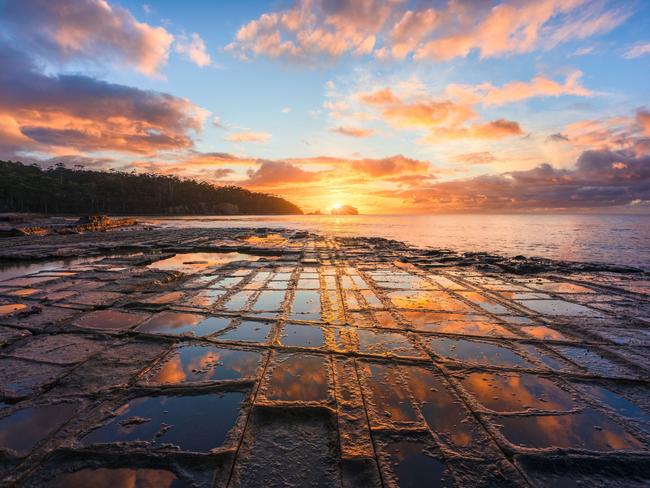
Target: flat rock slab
(251, 357)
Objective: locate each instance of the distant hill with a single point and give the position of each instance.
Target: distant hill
(59, 190)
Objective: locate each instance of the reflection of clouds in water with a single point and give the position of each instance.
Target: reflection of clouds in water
(203, 363)
(442, 411)
(116, 478)
(299, 378)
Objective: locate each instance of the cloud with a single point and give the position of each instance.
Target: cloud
(194, 49)
(395, 165)
(86, 30)
(441, 119)
(80, 113)
(410, 29)
(643, 119)
(278, 172)
(540, 86)
(379, 97)
(354, 132)
(220, 173)
(248, 136)
(637, 51)
(558, 137)
(613, 133)
(512, 28)
(483, 157)
(312, 29)
(599, 179)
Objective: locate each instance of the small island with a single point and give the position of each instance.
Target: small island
(344, 210)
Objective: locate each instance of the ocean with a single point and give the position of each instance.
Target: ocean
(611, 239)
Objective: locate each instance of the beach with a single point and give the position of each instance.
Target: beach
(281, 357)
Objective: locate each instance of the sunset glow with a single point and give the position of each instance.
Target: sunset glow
(401, 106)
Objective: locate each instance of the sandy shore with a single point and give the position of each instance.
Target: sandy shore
(216, 357)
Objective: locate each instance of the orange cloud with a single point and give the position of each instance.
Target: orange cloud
(72, 113)
(643, 119)
(354, 132)
(379, 97)
(395, 165)
(483, 157)
(311, 29)
(410, 29)
(540, 86)
(442, 119)
(509, 28)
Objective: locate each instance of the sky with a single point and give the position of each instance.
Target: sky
(396, 106)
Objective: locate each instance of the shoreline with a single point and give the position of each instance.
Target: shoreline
(355, 354)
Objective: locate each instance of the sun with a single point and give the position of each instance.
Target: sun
(337, 206)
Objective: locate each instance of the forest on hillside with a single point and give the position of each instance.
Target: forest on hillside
(60, 190)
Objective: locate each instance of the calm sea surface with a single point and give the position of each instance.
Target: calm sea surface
(614, 239)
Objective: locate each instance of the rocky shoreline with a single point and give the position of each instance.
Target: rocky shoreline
(17, 225)
(249, 357)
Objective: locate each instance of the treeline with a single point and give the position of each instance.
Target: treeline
(60, 190)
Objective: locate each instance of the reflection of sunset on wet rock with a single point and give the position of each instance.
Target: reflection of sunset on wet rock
(324, 244)
(213, 356)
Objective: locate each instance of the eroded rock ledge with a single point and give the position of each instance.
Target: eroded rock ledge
(233, 357)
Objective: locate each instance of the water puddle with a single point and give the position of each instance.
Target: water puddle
(164, 298)
(462, 324)
(546, 358)
(238, 301)
(372, 342)
(269, 300)
(517, 392)
(9, 308)
(476, 352)
(389, 396)
(110, 320)
(196, 423)
(308, 284)
(302, 336)
(431, 300)
(306, 305)
(561, 288)
(542, 332)
(247, 331)
(118, 478)
(298, 377)
(190, 364)
(413, 468)
(195, 262)
(588, 429)
(484, 302)
(444, 414)
(559, 307)
(616, 402)
(13, 269)
(227, 283)
(23, 430)
(173, 323)
(593, 361)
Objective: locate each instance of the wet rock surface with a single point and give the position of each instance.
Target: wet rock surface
(242, 358)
